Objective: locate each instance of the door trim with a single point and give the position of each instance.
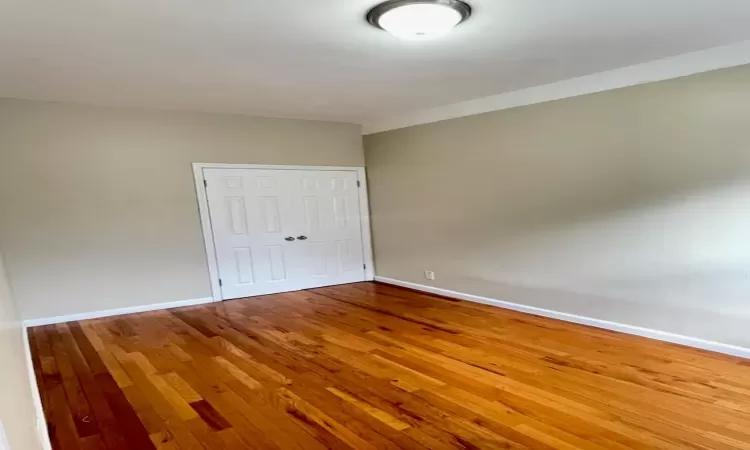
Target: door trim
(207, 230)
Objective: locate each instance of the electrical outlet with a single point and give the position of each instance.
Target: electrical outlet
(430, 275)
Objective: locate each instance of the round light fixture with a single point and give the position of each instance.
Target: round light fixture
(418, 19)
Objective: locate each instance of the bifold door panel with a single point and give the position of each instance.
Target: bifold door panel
(284, 230)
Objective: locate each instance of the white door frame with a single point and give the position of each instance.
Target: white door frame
(208, 235)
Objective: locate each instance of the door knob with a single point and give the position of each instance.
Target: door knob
(301, 238)
(289, 238)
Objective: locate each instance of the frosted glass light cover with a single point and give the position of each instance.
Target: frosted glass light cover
(419, 21)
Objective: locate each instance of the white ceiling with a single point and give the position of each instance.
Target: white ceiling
(319, 59)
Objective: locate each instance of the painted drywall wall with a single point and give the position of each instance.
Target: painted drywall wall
(98, 206)
(17, 413)
(631, 205)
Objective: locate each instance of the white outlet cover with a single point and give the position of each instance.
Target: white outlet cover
(430, 275)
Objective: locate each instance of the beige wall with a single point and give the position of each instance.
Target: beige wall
(97, 205)
(630, 205)
(17, 413)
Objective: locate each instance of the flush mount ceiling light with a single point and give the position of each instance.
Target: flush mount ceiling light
(418, 19)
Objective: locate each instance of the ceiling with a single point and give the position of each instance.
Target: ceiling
(319, 59)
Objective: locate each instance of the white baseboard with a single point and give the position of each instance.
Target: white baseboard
(115, 312)
(39, 421)
(599, 323)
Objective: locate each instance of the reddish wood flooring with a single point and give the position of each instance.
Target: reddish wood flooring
(370, 366)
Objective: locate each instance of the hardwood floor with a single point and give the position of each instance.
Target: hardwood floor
(370, 366)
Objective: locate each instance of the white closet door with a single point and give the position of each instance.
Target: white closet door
(329, 249)
(284, 230)
(250, 217)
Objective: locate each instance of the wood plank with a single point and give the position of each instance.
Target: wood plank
(371, 410)
(209, 415)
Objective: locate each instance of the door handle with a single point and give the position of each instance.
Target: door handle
(302, 238)
(289, 238)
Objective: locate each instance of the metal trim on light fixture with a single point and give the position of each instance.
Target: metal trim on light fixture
(375, 13)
